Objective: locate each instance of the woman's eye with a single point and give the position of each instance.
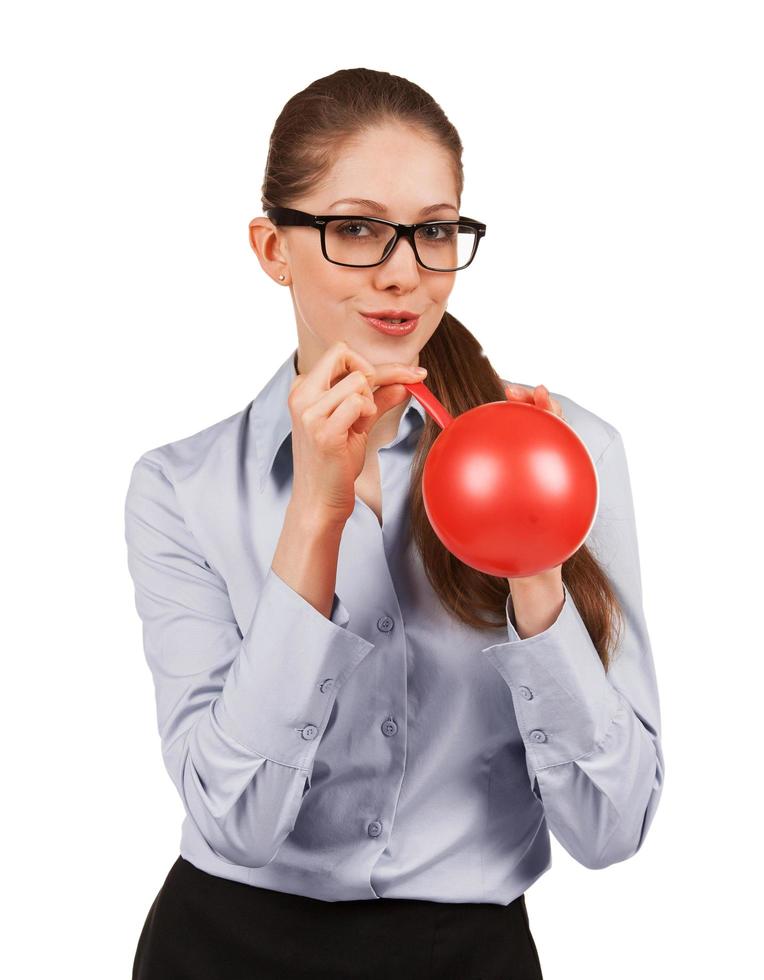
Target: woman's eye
(435, 232)
(352, 225)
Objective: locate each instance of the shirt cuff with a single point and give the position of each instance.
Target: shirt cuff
(564, 702)
(293, 660)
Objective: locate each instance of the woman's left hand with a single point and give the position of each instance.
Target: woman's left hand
(538, 396)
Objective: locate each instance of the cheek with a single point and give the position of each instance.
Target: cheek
(443, 286)
(327, 300)
(438, 287)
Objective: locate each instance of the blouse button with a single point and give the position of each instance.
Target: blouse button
(537, 735)
(326, 685)
(309, 731)
(389, 727)
(384, 624)
(526, 693)
(374, 829)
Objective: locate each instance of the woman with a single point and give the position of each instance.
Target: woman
(375, 801)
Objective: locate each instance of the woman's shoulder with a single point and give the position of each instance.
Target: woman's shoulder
(207, 448)
(221, 449)
(593, 430)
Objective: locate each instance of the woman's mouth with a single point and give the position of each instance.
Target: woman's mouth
(390, 327)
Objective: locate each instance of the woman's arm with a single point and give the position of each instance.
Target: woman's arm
(240, 716)
(306, 557)
(592, 740)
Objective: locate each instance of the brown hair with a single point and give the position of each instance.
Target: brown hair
(307, 136)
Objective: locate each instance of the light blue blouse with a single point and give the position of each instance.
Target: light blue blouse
(388, 751)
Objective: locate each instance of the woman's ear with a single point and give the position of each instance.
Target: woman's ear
(268, 246)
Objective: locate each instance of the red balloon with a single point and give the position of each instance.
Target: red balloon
(508, 487)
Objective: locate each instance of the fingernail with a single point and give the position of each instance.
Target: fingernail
(420, 370)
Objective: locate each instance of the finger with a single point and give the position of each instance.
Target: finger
(326, 392)
(353, 413)
(541, 397)
(395, 372)
(327, 403)
(547, 402)
(337, 361)
(385, 397)
(544, 400)
(538, 396)
(518, 393)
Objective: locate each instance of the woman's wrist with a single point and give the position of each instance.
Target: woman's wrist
(306, 557)
(314, 521)
(537, 601)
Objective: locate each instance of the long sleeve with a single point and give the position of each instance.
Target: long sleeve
(592, 739)
(240, 716)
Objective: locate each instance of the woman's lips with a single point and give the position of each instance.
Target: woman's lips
(392, 329)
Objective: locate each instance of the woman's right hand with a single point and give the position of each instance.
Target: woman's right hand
(333, 409)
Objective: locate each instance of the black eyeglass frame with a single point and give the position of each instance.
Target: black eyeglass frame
(291, 216)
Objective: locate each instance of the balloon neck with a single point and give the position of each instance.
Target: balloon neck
(430, 404)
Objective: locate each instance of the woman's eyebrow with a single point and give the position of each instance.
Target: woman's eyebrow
(381, 209)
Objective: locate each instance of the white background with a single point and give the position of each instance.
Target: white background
(615, 152)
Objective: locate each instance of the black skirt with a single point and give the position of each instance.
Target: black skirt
(203, 927)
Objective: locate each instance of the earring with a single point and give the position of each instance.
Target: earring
(281, 277)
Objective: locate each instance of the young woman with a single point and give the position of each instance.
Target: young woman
(372, 740)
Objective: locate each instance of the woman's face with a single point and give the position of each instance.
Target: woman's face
(405, 173)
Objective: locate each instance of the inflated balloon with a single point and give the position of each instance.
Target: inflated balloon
(508, 487)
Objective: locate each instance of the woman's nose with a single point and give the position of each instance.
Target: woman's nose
(402, 263)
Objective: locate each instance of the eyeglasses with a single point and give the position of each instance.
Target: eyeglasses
(363, 242)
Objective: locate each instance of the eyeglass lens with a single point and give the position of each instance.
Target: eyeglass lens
(441, 247)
